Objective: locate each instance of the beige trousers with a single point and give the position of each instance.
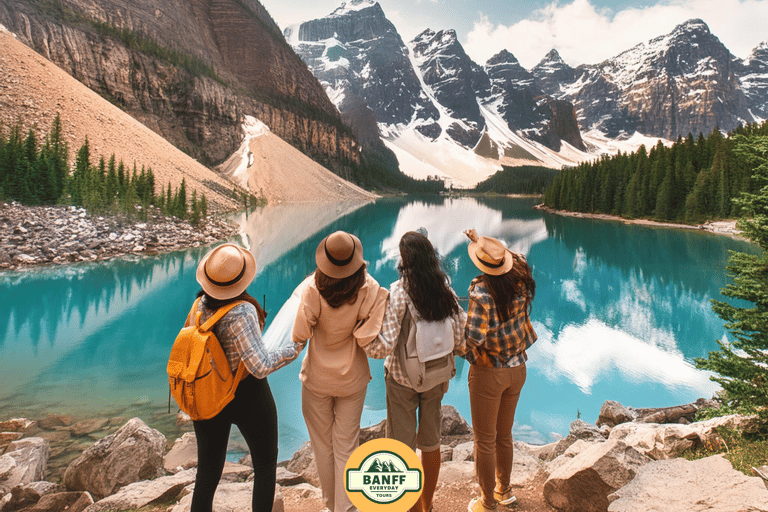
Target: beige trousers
(493, 396)
(333, 423)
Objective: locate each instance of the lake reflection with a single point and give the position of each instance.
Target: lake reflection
(620, 310)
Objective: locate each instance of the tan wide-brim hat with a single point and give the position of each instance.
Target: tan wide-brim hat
(489, 254)
(226, 271)
(339, 255)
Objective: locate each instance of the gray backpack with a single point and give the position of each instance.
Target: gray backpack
(427, 360)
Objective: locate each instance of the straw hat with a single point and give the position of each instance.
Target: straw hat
(339, 255)
(226, 271)
(489, 254)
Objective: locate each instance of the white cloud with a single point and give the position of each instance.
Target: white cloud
(584, 34)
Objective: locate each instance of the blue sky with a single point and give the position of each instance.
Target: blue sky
(583, 31)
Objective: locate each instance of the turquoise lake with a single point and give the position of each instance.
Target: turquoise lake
(621, 311)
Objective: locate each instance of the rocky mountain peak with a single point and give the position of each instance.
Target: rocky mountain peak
(503, 57)
(693, 26)
(760, 53)
(354, 5)
(553, 57)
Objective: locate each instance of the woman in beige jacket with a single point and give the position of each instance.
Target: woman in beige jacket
(341, 313)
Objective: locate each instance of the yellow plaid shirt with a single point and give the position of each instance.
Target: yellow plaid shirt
(490, 342)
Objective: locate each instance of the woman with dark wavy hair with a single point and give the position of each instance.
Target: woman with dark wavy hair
(341, 311)
(498, 333)
(422, 296)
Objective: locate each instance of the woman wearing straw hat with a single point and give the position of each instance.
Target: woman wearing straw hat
(423, 292)
(341, 312)
(224, 274)
(498, 332)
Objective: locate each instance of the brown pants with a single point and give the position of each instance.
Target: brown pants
(493, 396)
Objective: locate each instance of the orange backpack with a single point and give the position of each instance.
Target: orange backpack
(198, 370)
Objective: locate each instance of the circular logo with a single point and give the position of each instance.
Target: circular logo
(384, 474)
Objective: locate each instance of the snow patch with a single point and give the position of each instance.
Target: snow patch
(352, 6)
(252, 128)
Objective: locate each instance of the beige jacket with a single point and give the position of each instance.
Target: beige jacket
(336, 362)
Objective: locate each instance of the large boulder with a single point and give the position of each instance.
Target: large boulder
(580, 430)
(452, 422)
(303, 463)
(62, 501)
(463, 452)
(584, 483)
(613, 413)
(376, 431)
(146, 492)
(183, 454)
(709, 484)
(133, 453)
(26, 495)
(656, 441)
(232, 498)
(24, 462)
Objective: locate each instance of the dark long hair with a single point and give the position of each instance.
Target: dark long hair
(425, 282)
(245, 296)
(516, 284)
(338, 292)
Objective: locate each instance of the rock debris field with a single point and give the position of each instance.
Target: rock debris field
(41, 235)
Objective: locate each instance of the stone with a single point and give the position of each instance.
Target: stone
(579, 430)
(656, 441)
(182, 418)
(232, 498)
(542, 451)
(25, 461)
(303, 463)
(285, 477)
(16, 425)
(446, 453)
(85, 427)
(709, 484)
(452, 473)
(613, 413)
(146, 492)
(133, 453)
(376, 431)
(302, 491)
(54, 420)
(62, 501)
(26, 495)
(7, 438)
(183, 454)
(584, 483)
(452, 422)
(234, 473)
(464, 452)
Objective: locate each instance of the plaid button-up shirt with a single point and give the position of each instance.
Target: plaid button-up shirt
(490, 342)
(239, 334)
(393, 320)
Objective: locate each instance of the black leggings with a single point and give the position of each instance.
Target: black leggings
(253, 411)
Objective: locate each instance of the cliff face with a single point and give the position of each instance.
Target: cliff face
(189, 69)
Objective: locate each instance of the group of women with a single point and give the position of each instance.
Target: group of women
(345, 317)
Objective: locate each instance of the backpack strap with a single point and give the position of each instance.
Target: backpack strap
(216, 316)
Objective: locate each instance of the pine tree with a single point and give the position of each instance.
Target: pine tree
(112, 184)
(742, 363)
(80, 176)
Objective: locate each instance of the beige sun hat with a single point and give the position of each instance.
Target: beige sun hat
(339, 255)
(489, 254)
(226, 271)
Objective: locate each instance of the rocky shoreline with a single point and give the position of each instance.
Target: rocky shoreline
(627, 462)
(721, 227)
(55, 235)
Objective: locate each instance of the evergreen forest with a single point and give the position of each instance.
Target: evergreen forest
(529, 179)
(34, 172)
(692, 181)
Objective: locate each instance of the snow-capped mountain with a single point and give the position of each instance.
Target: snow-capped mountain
(685, 81)
(753, 76)
(441, 113)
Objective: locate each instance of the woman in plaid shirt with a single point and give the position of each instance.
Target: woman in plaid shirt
(498, 332)
(423, 289)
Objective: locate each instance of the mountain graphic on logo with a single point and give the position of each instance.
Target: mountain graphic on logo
(383, 467)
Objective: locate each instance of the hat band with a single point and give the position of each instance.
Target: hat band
(227, 283)
(344, 262)
(491, 265)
